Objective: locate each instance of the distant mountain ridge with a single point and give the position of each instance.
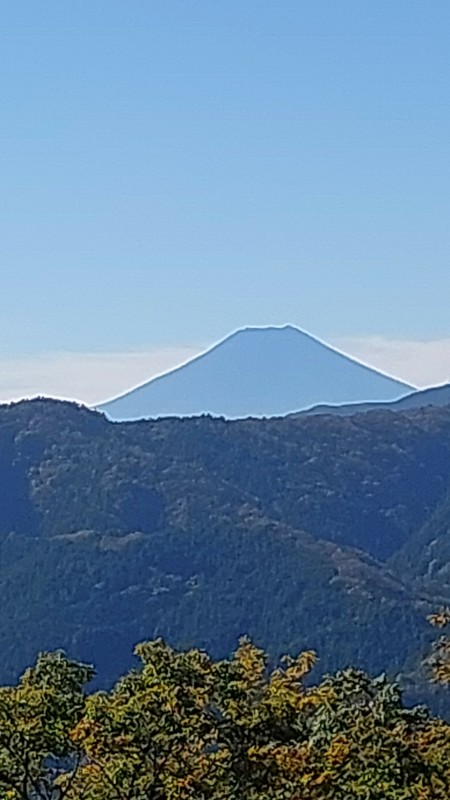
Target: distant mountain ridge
(257, 372)
(433, 396)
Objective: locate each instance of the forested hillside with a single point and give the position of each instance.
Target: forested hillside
(303, 533)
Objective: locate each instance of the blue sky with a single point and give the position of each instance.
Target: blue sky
(171, 171)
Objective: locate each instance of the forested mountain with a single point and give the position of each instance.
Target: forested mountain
(304, 533)
(257, 372)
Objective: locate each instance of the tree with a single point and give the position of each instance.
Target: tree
(36, 718)
(439, 658)
(184, 726)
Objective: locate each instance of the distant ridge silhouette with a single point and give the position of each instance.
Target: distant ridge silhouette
(422, 398)
(268, 371)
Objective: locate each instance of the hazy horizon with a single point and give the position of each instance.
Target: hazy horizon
(85, 377)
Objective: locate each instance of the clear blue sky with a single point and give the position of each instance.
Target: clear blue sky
(172, 170)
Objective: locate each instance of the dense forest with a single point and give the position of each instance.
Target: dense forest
(182, 725)
(321, 533)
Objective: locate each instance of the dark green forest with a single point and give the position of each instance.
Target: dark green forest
(321, 533)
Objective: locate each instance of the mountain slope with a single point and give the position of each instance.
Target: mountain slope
(202, 529)
(256, 372)
(433, 396)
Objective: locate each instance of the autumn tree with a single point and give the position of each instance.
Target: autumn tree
(36, 718)
(185, 726)
(439, 658)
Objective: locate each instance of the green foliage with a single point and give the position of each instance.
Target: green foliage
(438, 659)
(36, 718)
(185, 726)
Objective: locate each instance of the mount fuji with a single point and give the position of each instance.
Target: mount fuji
(257, 372)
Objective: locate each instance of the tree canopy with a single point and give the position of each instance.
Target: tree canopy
(183, 725)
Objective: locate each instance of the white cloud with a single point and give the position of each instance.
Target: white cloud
(86, 377)
(420, 363)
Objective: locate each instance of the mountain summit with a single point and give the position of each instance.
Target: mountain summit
(257, 372)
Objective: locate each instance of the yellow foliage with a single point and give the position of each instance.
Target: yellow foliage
(338, 751)
(440, 619)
